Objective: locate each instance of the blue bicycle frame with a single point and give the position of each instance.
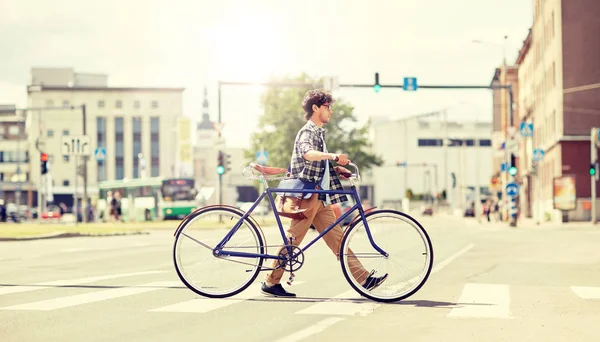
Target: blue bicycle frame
(218, 250)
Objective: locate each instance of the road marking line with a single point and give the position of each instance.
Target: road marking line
(451, 258)
(86, 298)
(49, 284)
(313, 329)
(483, 300)
(347, 308)
(586, 292)
(336, 306)
(204, 305)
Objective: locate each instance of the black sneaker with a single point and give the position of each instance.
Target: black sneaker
(372, 282)
(276, 290)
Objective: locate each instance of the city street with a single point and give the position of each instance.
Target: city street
(490, 282)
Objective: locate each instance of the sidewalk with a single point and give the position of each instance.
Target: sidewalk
(522, 223)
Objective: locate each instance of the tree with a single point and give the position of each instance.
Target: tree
(283, 117)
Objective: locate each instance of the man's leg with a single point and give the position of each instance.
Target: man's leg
(323, 219)
(296, 232)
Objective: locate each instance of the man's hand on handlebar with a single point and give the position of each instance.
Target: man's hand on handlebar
(341, 159)
(342, 172)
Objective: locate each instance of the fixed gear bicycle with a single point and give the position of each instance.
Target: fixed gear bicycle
(219, 250)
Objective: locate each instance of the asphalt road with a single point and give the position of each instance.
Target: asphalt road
(490, 283)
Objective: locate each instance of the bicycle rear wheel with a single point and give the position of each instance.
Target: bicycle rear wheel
(408, 264)
(217, 276)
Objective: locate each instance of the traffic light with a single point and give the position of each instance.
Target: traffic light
(223, 163)
(220, 166)
(377, 86)
(512, 170)
(44, 163)
(593, 169)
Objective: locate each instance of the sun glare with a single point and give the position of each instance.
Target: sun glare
(246, 48)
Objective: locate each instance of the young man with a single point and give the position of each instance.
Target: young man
(312, 163)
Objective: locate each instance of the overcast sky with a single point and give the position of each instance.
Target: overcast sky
(193, 44)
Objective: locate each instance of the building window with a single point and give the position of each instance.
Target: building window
(119, 149)
(136, 104)
(154, 104)
(66, 159)
(485, 142)
(13, 130)
(118, 104)
(429, 142)
(137, 144)
(50, 133)
(66, 182)
(65, 132)
(154, 147)
(101, 104)
(101, 137)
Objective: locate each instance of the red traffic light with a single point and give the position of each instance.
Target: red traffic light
(44, 157)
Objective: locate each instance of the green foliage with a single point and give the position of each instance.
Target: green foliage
(284, 116)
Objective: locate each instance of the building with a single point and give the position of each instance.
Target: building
(559, 93)
(433, 164)
(124, 121)
(15, 186)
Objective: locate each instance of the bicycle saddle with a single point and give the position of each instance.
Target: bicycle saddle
(268, 170)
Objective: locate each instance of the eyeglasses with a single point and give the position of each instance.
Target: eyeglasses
(329, 106)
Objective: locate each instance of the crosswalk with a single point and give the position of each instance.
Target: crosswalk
(474, 300)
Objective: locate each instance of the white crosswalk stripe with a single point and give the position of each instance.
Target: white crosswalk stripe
(586, 292)
(204, 305)
(91, 297)
(54, 283)
(483, 300)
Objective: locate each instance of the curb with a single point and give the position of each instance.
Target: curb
(67, 235)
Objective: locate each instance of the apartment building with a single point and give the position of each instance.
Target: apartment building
(124, 121)
(15, 186)
(559, 93)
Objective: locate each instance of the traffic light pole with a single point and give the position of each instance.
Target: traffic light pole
(377, 86)
(594, 159)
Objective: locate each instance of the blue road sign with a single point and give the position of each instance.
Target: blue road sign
(538, 154)
(100, 154)
(504, 167)
(262, 157)
(526, 129)
(410, 83)
(512, 189)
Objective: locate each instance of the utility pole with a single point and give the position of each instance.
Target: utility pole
(594, 160)
(84, 204)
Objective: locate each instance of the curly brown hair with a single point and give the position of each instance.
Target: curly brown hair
(315, 97)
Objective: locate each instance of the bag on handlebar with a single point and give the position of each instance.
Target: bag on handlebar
(287, 204)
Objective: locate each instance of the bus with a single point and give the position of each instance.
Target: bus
(149, 199)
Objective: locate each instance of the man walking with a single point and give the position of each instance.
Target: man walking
(311, 162)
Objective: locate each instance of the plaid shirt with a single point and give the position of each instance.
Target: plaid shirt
(310, 137)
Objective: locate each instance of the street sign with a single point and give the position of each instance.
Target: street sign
(262, 157)
(526, 129)
(75, 145)
(410, 83)
(512, 189)
(504, 167)
(538, 154)
(100, 154)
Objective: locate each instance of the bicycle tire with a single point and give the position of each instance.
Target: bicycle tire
(248, 221)
(343, 260)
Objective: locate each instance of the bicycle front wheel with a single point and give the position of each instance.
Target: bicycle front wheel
(409, 260)
(217, 276)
